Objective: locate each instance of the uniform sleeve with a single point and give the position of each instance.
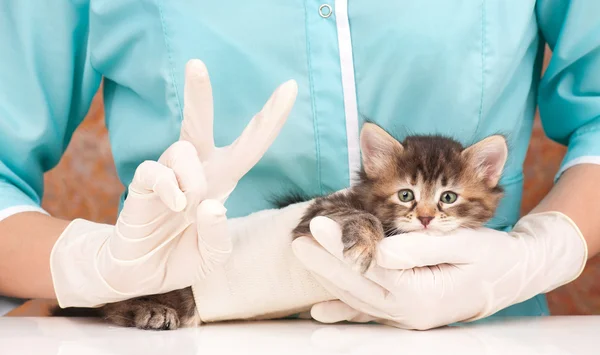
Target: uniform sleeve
(46, 87)
(569, 92)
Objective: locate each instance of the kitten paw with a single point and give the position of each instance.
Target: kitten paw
(360, 252)
(360, 236)
(143, 315)
(156, 317)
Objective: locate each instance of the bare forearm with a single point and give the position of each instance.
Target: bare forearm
(577, 195)
(26, 240)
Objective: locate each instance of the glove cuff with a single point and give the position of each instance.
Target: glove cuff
(565, 247)
(76, 280)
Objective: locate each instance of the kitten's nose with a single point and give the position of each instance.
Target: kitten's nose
(425, 220)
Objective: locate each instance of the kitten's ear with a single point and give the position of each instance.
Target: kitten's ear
(488, 157)
(378, 149)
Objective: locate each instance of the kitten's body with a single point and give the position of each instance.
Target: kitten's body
(432, 168)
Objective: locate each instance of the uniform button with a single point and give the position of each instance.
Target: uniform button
(325, 10)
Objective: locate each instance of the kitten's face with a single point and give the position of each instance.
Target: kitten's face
(429, 183)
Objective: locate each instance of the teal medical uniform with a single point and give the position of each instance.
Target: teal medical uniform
(467, 69)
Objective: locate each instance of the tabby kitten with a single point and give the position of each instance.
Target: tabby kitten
(428, 184)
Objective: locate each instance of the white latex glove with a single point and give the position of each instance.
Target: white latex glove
(422, 281)
(262, 279)
(172, 229)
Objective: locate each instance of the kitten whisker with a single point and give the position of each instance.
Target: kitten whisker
(392, 232)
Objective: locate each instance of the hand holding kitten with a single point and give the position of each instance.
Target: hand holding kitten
(422, 281)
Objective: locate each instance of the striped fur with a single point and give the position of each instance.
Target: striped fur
(428, 166)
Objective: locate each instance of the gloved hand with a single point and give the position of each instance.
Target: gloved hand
(172, 229)
(422, 281)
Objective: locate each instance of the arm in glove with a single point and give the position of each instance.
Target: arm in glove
(172, 229)
(422, 281)
(261, 279)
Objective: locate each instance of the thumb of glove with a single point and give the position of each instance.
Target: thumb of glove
(337, 311)
(329, 234)
(214, 242)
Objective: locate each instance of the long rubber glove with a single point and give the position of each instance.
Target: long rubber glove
(423, 282)
(262, 279)
(172, 229)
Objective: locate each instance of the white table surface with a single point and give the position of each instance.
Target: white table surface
(532, 336)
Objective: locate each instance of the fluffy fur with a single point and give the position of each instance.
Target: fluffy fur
(448, 186)
(403, 187)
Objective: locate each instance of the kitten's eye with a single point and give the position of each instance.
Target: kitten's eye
(448, 197)
(406, 195)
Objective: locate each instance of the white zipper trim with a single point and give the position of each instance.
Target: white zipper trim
(348, 86)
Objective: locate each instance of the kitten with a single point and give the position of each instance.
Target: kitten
(428, 184)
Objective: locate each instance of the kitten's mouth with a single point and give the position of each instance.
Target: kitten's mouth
(420, 228)
(411, 226)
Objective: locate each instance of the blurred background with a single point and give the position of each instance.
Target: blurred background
(85, 185)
